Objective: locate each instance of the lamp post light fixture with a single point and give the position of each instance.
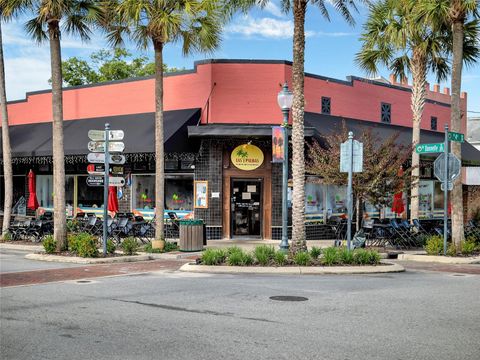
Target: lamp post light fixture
(285, 100)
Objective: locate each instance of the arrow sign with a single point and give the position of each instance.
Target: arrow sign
(99, 146)
(99, 135)
(96, 169)
(99, 158)
(95, 181)
(429, 148)
(458, 137)
(116, 181)
(116, 170)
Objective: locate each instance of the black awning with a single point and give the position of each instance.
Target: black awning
(327, 123)
(36, 139)
(237, 130)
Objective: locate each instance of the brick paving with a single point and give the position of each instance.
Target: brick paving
(91, 271)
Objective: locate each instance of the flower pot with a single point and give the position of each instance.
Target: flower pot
(158, 244)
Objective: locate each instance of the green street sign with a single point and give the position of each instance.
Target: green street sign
(453, 136)
(429, 148)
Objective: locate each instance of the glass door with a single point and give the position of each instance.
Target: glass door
(246, 208)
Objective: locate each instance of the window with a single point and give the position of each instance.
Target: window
(325, 105)
(386, 112)
(433, 123)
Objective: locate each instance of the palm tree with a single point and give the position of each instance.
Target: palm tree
(51, 18)
(299, 9)
(456, 15)
(7, 153)
(393, 36)
(194, 23)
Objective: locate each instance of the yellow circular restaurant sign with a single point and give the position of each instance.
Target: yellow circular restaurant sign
(247, 157)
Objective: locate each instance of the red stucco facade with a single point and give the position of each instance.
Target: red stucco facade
(236, 91)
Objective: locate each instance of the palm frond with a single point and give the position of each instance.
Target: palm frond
(35, 28)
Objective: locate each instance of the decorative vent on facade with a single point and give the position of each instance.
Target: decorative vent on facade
(433, 123)
(386, 113)
(325, 105)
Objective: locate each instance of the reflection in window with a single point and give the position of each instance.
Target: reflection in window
(144, 192)
(314, 198)
(336, 200)
(89, 196)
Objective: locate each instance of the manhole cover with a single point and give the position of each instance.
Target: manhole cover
(83, 281)
(288, 298)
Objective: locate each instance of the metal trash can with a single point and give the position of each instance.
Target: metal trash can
(191, 235)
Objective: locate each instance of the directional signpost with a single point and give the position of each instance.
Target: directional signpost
(458, 137)
(351, 160)
(103, 142)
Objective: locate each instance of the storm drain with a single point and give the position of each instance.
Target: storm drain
(288, 298)
(458, 275)
(83, 281)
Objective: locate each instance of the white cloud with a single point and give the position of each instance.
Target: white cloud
(274, 9)
(274, 29)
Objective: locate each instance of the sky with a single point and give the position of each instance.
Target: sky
(260, 34)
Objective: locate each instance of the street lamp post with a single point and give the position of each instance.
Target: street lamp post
(285, 99)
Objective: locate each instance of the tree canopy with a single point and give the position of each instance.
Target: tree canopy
(108, 65)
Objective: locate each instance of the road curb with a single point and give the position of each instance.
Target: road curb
(439, 259)
(78, 260)
(300, 270)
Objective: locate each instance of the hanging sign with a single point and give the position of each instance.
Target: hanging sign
(116, 181)
(357, 156)
(278, 138)
(247, 157)
(95, 181)
(99, 158)
(96, 169)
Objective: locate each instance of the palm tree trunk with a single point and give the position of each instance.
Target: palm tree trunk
(456, 126)
(59, 232)
(419, 73)
(7, 152)
(159, 150)
(298, 140)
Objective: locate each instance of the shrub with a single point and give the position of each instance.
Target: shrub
(345, 256)
(129, 246)
(239, 258)
(111, 247)
(280, 258)
(86, 245)
(7, 236)
(213, 256)
(467, 247)
(315, 252)
(331, 256)
(148, 248)
(49, 244)
(169, 246)
(451, 250)
(302, 258)
(434, 245)
(264, 254)
(374, 257)
(366, 257)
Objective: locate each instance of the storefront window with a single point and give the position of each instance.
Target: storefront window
(336, 200)
(178, 192)
(426, 199)
(314, 200)
(44, 185)
(88, 196)
(144, 192)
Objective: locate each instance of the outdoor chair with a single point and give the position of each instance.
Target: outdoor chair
(172, 227)
(15, 229)
(120, 230)
(401, 237)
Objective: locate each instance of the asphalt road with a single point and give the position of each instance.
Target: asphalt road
(14, 260)
(171, 315)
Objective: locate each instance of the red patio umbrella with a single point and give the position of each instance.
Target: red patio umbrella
(32, 189)
(112, 199)
(398, 206)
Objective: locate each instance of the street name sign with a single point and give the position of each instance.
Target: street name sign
(95, 181)
(357, 156)
(458, 137)
(116, 181)
(99, 146)
(99, 158)
(454, 167)
(429, 148)
(99, 135)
